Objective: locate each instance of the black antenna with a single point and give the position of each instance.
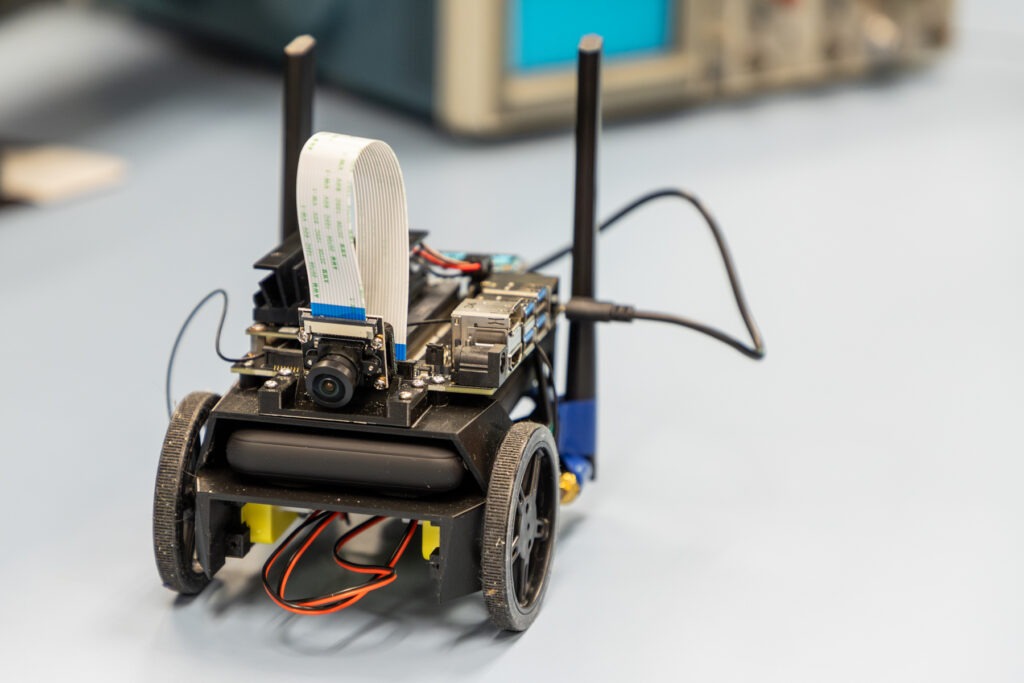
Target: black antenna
(299, 78)
(581, 379)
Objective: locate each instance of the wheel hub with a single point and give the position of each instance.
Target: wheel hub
(532, 527)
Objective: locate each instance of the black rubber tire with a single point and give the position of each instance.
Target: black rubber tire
(175, 495)
(514, 582)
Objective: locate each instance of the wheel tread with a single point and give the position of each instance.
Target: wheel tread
(180, 443)
(500, 490)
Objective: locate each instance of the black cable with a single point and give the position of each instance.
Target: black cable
(216, 346)
(614, 218)
(756, 351)
(432, 321)
(340, 599)
(542, 389)
(319, 518)
(549, 388)
(582, 308)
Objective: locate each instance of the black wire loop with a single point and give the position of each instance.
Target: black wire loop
(216, 344)
(756, 350)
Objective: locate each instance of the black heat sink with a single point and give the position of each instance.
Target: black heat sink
(286, 289)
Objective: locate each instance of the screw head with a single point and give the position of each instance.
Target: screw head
(419, 383)
(371, 368)
(259, 327)
(377, 343)
(405, 395)
(437, 379)
(270, 384)
(303, 335)
(380, 383)
(285, 372)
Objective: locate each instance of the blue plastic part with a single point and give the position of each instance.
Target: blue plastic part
(332, 311)
(544, 33)
(349, 313)
(529, 308)
(529, 335)
(577, 437)
(542, 320)
(582, 467)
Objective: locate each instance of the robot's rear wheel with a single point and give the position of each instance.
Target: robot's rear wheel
(174, 531)
(520, 519)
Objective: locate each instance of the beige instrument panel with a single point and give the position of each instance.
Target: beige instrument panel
(722, 48)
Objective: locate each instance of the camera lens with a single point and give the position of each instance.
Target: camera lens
(332, 380)
(328, 387)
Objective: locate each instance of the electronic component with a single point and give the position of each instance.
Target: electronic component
(353, 223)
(494, 331)
(337, 411)
(341, 355)
(493, 67)
(487, 341)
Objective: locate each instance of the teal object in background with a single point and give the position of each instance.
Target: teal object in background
(544, 33)
(382, 48)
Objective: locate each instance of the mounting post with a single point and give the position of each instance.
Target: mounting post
(299, 79)
(577, 437)
(581, 380)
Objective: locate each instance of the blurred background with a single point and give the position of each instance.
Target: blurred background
(847, 510)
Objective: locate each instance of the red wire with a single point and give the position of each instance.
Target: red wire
(464, 266)
(426, 247)
(341, 599)
(309, 541)
(351, 596)
(349, 535)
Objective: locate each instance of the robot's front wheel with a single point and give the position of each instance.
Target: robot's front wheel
(520, 518)
(174, 530)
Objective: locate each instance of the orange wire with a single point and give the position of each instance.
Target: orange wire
(309, 541)
(440, 260)
(349, 535)
(438, 254)
(348, 597)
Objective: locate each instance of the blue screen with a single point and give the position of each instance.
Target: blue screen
(544, 33)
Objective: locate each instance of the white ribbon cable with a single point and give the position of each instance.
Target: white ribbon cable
(354, 225)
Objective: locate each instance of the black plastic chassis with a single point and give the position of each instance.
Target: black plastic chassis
(474, 425)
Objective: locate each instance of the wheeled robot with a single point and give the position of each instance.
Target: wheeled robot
(327, 418)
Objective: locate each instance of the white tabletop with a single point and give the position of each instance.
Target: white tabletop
(848, 510)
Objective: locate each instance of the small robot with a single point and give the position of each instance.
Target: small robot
(327, 417)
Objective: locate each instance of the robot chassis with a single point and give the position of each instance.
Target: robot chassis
(324, 417)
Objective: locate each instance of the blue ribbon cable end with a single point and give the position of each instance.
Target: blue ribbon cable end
(348, 313)
(332, 311)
